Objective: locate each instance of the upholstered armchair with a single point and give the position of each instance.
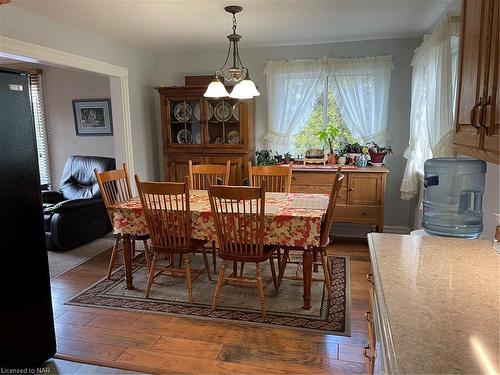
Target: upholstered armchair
(76, 214)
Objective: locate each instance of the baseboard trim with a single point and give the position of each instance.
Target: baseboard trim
(361, 230)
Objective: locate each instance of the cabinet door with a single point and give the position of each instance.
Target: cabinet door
(471, 71)
(364, 188)
(492, 107)
(236, 166)
(178, 166)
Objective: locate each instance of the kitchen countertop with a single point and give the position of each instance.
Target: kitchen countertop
(438, 303)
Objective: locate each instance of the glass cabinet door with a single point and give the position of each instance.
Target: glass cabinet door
(185, 121)
(223, 121)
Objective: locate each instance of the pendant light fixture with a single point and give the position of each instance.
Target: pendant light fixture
(237, 74)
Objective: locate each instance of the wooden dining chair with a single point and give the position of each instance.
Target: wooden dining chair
(274, 178)
(202, 174)
(168, 217)
(115, 188)
(238, 214)
(321, 250)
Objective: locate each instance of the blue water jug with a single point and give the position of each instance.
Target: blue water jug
(453, 194)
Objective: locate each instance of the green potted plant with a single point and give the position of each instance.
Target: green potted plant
(328, 136)
(378, 153)
(265, 157)
(352, 151)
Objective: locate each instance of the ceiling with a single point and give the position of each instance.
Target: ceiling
(163, 26)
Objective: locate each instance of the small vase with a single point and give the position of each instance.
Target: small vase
(331, 159)
(362, 160)
(341, 160)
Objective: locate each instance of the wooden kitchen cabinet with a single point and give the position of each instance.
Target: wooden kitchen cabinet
(206, 131)
(361, 197)
(477, 130)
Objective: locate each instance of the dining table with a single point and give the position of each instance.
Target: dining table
(291, 219)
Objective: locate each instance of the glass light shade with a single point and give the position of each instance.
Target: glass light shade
(216, 90)
(244, 90)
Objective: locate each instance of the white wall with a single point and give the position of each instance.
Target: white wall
(172, 67)
(60, 87)
(23, 25)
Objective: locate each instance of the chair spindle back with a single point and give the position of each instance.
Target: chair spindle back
(114, 186)
(166, 208)
(326, 225)
(238, 214)
(274, 178)
(199, 173)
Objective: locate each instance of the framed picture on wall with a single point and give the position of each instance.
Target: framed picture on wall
(93, 117)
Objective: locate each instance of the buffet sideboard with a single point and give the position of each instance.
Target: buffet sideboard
(361, 198)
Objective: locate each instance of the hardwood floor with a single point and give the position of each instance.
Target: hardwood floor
(165, 344)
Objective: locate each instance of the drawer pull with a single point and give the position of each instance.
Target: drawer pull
(369, 277)
(351, 189)
(364, 213)
(368, 316)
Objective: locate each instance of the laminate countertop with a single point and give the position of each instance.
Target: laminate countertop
(438, 303)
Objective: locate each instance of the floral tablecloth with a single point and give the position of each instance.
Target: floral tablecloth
(291, 219)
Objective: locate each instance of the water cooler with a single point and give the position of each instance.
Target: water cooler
(453, 192)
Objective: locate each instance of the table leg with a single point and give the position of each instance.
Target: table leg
(127, 260)
(307, 268)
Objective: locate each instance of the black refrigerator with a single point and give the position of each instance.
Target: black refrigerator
(26, 320)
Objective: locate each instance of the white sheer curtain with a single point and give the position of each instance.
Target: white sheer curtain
(292, 88)
(432, 102)
(361, 88)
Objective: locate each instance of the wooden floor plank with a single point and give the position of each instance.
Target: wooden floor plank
(92, 350)
(105, 336)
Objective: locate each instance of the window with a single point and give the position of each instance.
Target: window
(326, 112)
(306, 95)
(433, 99)
(36, 96)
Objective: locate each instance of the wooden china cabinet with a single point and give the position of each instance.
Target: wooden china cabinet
(205, 130)
(477, 129)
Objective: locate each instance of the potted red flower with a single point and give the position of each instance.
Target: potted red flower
(378, 153)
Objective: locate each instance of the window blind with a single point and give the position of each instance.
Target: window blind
(36, 95)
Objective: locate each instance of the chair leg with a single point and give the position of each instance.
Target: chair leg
(214, 256)
(188, 278)
(220, 282)
(273, 272)
(113, 256)
(146, 253)
(242, 267)
(133, 249)
(235, 268)
(328, 280)
(284, 260)
(180, 260)
(151, 276)
(207, 266)
(260, 285)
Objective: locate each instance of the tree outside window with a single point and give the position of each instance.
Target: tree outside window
(307, 138)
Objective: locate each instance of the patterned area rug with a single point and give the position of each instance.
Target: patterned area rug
(236, 304)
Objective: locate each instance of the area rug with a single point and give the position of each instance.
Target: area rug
(236, 304)
(64, 261)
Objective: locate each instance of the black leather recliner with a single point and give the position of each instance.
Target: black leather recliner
(76, 214)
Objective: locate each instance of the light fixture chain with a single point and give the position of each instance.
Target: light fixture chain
(234, 23)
